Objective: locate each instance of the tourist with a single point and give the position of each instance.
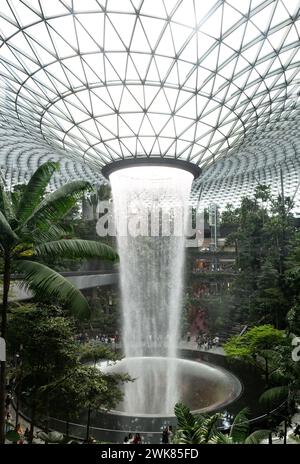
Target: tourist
(8, 400)
(137, 439)
(20, 432)
(165, 436)
(170, 433)
(19, 429)
(216, 341)
(199, 341)
(8, 424)
(89, 441)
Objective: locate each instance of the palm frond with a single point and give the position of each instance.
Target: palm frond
(220, 438)
(256, 437)
(278, 377)
(274, 394)
(75, 248)
(35, 190)
(188, 430)
(52, 233)
(184, 416)
(208, 427)
(58, 204)
(194, 429)
(44, 281)
(240, 426)
(5, 228)
(188, 436)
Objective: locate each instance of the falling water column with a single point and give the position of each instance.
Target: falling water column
(151, 275)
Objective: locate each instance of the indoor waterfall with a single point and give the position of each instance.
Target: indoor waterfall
(150, 209)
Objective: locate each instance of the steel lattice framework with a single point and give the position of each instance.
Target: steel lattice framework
(101, 80)
(262, 159)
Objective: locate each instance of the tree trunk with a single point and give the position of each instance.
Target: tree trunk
(6, 285)
(18, 403)
(2, 402)
(267, 372)
(19, 389)
(67, 428)
(270, 438)
(32, 423)
(285, 432)
(47, 416)
(270, 425)
(88, 424)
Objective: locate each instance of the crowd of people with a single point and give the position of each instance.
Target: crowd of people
(131, 439)
(136, 439)
(207, 342)
(97, 338)
(204, 340)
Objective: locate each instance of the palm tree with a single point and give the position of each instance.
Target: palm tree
(280, 396)
(203, 429)
(286, 381)
(30, 228)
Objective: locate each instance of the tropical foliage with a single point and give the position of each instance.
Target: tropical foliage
(199, 429)
(259, 346)
(31, 229)
(263, 235)
(54, 379)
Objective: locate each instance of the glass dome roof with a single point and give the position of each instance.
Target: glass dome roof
(106, 80)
